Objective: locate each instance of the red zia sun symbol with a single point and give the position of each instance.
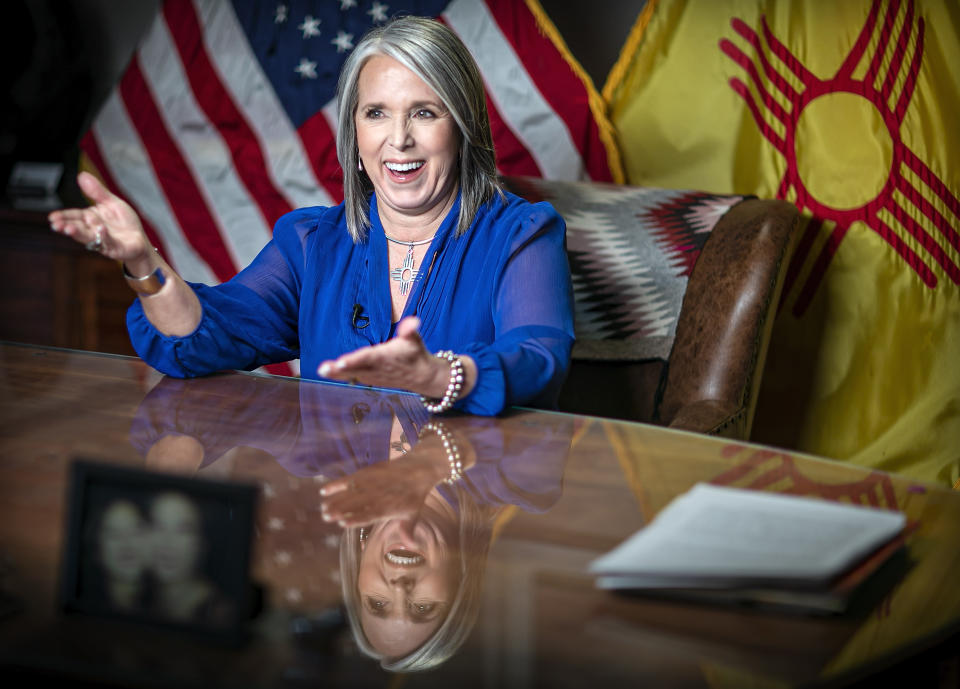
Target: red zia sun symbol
(904, 181)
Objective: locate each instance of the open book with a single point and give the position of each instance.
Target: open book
(719, 543)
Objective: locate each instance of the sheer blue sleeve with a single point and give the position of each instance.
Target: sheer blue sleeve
(527, 362)
(522, 467)
(247, 322)
(263, 415)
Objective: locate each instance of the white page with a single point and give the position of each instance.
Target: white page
(720, 532)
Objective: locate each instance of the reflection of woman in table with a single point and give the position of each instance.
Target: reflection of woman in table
(184, 592)
(413, 555)
(386, 464)
(117, 573)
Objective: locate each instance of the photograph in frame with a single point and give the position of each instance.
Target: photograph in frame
(158, 549)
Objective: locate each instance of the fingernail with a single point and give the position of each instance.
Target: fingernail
(341, 365)
(324, 370)
(326, 517)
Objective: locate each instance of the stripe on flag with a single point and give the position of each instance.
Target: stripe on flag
(217, 104)
(287, 162)
(123, 162)
(562, 89)
(517, 98)
(203, 149)
(177, 185)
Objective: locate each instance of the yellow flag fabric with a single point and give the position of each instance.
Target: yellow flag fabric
(850, 111)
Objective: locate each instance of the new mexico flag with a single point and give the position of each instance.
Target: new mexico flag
(851, 111)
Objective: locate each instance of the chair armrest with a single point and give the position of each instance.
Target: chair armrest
(725, 321)
(714, 417)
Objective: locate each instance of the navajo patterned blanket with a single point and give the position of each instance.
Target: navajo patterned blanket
(631, 252)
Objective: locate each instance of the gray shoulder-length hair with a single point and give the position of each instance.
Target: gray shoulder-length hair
(436, 55)
(475, 530)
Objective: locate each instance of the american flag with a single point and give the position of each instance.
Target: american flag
(225, 118)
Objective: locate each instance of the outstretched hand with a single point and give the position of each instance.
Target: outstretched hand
(402, 363)
(395, 489)
(111, 218)
(387, 490)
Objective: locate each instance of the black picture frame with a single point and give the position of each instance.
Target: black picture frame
(161, 550)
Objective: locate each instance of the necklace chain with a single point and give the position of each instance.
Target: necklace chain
(400, 241)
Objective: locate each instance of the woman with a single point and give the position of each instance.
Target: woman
(116, 574)
(425, 253)
(184, 591)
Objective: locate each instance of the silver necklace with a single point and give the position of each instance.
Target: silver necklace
(405, 273)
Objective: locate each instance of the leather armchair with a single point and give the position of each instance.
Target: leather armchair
(703, 376)
(716, 364)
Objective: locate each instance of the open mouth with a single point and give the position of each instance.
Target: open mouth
(404, 168)
(402, 557)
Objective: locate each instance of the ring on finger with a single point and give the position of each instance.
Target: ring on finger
(97, 242)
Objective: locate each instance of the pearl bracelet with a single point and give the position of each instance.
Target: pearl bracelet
(453, 387)
(450, 447)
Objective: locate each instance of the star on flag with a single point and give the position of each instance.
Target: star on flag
(310, 26)
(306, 69)
(378, 12)
(343, 41)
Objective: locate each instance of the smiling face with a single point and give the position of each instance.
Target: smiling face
(176, 536)
(408, 144)
(122, 549)
(407, 580)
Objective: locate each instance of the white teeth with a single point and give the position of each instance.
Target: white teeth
(403, 167)
(403, 559)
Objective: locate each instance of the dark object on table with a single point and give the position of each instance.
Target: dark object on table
(158, 549)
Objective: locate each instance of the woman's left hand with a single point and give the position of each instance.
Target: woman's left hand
(402, 363)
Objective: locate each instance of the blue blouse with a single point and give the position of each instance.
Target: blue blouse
(500, 293)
